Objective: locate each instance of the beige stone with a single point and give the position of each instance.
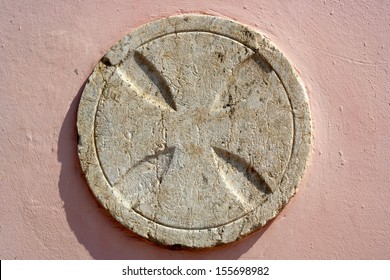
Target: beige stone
(194, 131)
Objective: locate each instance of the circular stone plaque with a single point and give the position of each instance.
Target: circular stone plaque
(194, 131)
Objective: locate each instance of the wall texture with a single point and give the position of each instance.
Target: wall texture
(340, 49)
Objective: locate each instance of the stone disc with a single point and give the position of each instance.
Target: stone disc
(193, 131)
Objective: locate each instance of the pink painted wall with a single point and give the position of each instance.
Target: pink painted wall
(340, 49)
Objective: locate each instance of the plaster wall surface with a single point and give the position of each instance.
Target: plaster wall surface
(339, 48)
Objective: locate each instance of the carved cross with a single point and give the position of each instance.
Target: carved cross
(197, 129)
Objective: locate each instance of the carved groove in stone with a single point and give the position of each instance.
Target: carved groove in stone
(157, 79)
(241, 166)
(158, 158)
(190, 228)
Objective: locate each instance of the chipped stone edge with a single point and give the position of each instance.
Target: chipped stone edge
(112, 200)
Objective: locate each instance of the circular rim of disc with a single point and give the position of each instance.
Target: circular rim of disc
(196, 238)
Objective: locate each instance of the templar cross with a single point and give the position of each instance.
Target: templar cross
(197, 129)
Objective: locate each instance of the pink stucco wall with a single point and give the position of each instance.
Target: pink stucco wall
(341, 50)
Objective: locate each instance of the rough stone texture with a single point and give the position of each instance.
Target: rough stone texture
(193, 131)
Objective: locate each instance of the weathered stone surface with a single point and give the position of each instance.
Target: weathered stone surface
(194, 131)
